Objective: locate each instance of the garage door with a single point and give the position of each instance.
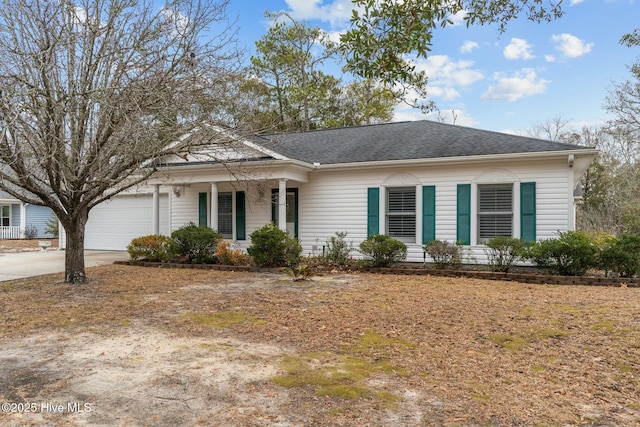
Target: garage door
(112, 224)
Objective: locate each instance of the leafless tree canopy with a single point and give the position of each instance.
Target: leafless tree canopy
(91, 91)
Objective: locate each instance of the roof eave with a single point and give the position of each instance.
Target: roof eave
(230, 165)
(587, 152)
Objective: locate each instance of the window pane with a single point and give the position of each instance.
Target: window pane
(401, 226)
(495, 225)
(4, 215)
(291, 207)
(402, 200)
(495, 198)
(225, 215)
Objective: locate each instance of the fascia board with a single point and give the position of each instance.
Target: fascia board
(490, 158)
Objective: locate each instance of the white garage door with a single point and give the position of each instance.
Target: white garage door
(114, 223)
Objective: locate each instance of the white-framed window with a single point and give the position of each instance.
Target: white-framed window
(401, 213)
(5, 215)
(495, 211)
(225, 215)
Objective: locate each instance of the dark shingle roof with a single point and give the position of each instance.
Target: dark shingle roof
(5, 195)
(402, 141)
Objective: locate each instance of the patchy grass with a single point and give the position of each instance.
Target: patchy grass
(333, 375)
(223, 319)
(509, 342)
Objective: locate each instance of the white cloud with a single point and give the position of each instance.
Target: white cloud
(443, 92)
(570, 45)
(550, 58)
(458, 18)
(518, 49)
(468, 46)
(520, 84)
(575, 2)
(334, 36)
(446, 75)
(337, 11)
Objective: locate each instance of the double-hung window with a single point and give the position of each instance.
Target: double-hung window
(4, 215)
(401, 213)
(495, 211)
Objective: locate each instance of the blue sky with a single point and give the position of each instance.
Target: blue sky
(504, 82)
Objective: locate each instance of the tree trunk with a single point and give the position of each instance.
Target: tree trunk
(74, 250)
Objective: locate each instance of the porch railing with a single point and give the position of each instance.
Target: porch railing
(10, 232)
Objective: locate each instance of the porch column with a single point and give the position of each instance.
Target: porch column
(155, 215)
(23, 218)
(213, 222)
(282, 205)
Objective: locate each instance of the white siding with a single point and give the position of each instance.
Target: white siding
(183, 205)
(184, 209)
(337, 200)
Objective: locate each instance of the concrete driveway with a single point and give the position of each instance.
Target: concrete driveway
(28, 264)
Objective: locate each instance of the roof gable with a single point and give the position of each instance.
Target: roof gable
(403, 141)
(6, 196)
(218, 145)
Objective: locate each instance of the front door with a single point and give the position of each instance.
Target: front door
(292, 210)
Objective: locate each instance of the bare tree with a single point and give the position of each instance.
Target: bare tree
(93, 91)
(551, 129)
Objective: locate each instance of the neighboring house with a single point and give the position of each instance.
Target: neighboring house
(19, 219)
(416, 181)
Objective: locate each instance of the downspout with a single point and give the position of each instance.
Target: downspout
(572, 206)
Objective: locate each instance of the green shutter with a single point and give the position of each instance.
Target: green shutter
(463, 214)
(528, 211)
(240, 216)
(202, 209)
(428, 213)
(373, 211)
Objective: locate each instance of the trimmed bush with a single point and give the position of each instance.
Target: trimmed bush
(338, 250)
(151, 248)
(383, 251)
(572, 254)
(195, 243)
(504, 252)
(622, 255)
(444, 254)
(228, 256)
(272, 247)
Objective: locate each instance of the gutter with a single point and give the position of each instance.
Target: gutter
(561, 154)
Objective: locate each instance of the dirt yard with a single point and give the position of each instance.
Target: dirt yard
(25, 245)
(164, 347)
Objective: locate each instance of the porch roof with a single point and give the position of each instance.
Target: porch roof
(6, 197)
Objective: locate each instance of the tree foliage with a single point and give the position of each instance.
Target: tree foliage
(91, 92)
(303, 96)
(611, 184)
(383, 32)
(288, 60)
